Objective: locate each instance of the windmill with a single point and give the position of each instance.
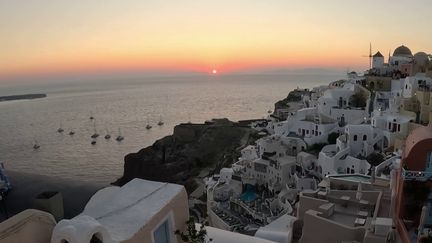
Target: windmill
(370, 56)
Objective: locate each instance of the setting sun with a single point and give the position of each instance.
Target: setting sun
(214, 71)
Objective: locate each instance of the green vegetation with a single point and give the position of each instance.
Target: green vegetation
(316, 148)
(375, 159)
(192, 234)
(331, 139)
(358, 100)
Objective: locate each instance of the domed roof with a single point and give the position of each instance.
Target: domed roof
(402, 51)
(421, 58)
(417, 135)
(420, 53)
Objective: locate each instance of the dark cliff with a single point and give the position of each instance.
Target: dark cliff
(180, 157)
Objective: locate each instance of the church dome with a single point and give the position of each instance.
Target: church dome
(402, 51)
(421, 58)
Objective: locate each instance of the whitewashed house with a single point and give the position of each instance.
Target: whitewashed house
(140, 211)
(351, 148)
(392, 124)
(336, 103)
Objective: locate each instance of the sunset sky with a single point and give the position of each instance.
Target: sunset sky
(49, 37)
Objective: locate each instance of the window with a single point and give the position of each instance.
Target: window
(162, 233)
(429, 162)
(260, 168)
(364, 137)
(355, 138)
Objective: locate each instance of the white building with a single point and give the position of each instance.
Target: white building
(316, 92)
(377, 60)
(401, 55)
(392, 124)
(140, 211)
(29, 226)
(335, 103)
(347, 155)
(309, 125)
(414, 83)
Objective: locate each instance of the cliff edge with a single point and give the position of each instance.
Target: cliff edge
(180, 157)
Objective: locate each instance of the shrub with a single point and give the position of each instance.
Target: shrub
(192, 235)
(358, 100)
(331, 139)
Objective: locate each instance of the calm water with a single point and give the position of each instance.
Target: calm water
(124, 104)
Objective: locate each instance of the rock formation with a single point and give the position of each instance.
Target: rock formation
(180, 157)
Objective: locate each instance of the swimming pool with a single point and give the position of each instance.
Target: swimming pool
(249, 195)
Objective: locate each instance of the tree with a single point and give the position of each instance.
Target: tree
(192, 235)
(331, 139)
(375, 159)
(358, 100)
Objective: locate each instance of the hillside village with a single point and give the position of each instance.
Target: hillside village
(350, 161)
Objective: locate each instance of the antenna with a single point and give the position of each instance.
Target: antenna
(370, 55)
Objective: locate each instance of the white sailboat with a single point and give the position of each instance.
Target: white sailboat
(160, 123)
(107, 135)
(71, 132)
(95, 134)
(148, 127)
(36, 145)
(60, 129)
(119, 137)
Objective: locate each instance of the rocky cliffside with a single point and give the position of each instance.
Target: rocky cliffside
(180, 157)
(293, 96)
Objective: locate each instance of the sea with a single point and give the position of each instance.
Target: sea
(125, 106)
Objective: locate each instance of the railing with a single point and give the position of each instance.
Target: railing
(252, 212)
(410, 175)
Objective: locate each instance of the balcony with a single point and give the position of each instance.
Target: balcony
(410, 175)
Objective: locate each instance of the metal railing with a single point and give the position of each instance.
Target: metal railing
(410, 175)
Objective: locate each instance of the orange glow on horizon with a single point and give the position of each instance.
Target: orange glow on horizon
(118, 63)
(74, 37)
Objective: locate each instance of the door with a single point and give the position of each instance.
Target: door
(162, 233)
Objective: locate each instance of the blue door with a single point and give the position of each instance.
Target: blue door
(162, 234)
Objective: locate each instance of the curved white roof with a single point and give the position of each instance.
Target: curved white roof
(279, 230)
(223, 236)
(124, 211)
